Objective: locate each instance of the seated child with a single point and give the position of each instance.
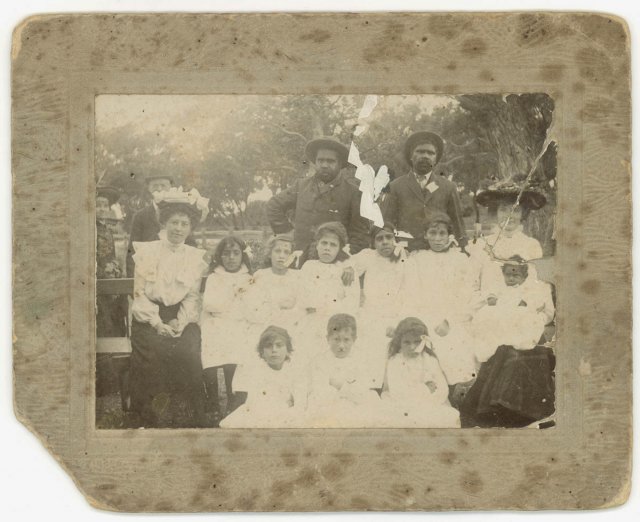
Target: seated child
(339, 395)
(515, 314)
(415, 389)
(321, 290)
(222, 318)
(276, 395)
(442, 285)
(271, 298)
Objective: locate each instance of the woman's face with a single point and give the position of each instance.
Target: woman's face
(328, 247)
(178, 228)
(279, 254)
(508, 219)
(408, 344)
(232, 257)
(275, 352)
(438, 237)
(384, 243)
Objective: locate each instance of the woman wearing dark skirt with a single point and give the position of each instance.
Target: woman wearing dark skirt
(166, 372)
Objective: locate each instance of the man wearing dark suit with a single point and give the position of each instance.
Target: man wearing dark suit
(413, 196)
(326, 196)
(146, 225)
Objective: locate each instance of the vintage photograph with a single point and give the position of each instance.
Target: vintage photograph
(325, 261)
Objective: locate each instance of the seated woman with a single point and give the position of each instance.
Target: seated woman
(276, 395)
(166, 370)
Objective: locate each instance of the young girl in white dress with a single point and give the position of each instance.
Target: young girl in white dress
(382, 269)
(339, 392)
(275, 387)
(321, 289)
(271, 297)
(223, 324)
(442, 285)
(416, 391)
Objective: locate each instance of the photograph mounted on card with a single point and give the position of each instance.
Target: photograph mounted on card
(312, 258)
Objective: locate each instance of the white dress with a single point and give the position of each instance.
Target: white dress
(339, 394)
(410, 401)
(517, 319)
(382, 308)
(167, 274)
(320, 288)
(275, 398)
(444, 286)
(225, 338)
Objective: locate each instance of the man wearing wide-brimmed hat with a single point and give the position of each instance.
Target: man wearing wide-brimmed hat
(326, 196)
(414, 196)
(145, 225)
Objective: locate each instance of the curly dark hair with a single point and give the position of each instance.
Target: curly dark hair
(166, 210)
(409, 325)
(225, 242)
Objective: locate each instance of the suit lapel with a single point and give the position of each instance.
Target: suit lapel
(415, 186)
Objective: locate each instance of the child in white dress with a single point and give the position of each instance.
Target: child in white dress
(339, 393)
(442, 285)
(275, 387)
(321, 290)
(515, 314)
(222, 320)
(271, 297)
(382, 269)
(416, 391)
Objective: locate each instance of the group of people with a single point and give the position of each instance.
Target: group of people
(347, 324)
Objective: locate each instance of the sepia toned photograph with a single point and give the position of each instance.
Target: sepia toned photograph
(325, 261)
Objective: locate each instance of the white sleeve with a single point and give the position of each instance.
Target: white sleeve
(143, 309)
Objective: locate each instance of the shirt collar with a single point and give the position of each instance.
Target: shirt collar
(425, 178)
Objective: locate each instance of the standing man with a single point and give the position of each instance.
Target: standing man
(145, 225)
(325, 196)
(414, 196)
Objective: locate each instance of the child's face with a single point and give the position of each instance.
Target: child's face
(328, 247)
(507, 219)
(408, 344)
(341, 342)
(513, 278)
(275, 352)
(438, 237)
(279, 254)
(384, 243)
(232, 257)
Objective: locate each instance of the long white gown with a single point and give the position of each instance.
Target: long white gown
(410, 402)
(225, 337)
(275, 398)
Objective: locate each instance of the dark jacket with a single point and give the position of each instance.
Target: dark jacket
(145, 227)
(313, 205)
(407, 205)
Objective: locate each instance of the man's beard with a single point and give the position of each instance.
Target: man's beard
(423, 167)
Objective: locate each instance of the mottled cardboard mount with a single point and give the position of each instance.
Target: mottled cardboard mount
(61, 62)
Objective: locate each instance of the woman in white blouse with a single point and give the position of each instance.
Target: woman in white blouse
(165, 336)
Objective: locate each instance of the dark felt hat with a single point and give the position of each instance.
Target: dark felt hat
(327, 142)
(111, 193)
(531, 198)
(418, 138)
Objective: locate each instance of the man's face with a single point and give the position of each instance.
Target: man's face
(423, 158)
(159, 185)
(341, 341)
(384, 243)
(102, 206)
(438, 237)
(327, 164)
